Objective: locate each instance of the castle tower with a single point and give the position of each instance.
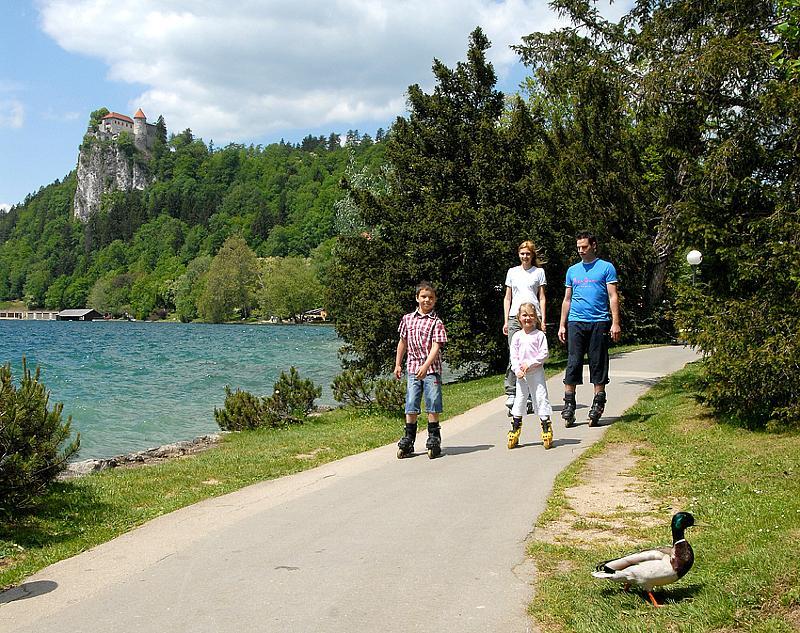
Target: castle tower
(140, 129)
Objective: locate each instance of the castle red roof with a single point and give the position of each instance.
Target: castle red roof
(117, 115)
(139, 114)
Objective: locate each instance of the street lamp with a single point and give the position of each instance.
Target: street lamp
(694, 258)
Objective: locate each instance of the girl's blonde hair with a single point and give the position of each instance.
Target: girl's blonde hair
(536, 258)
(532, 308)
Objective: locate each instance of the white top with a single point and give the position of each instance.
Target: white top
(525, 286)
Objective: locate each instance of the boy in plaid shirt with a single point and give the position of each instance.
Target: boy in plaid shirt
(422, 335)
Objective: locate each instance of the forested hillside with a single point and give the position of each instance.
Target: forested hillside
(148, 252)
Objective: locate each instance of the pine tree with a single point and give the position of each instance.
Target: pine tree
(452, 209)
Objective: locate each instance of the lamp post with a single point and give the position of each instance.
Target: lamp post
(694, 258)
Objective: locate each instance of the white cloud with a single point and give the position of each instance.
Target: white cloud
(245, 68)
(12, 113)
(4, 207)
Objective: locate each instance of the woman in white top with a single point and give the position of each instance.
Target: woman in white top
(524, 284)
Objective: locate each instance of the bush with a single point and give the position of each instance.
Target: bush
(750, 372)
(242, 411)
(390, 394)
(291, 401)
(353, 387)
(31, 436)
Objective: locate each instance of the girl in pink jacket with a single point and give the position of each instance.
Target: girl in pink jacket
(528, 352)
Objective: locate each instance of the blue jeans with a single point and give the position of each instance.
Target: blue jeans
(431, 385)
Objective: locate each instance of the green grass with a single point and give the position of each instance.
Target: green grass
(744, 485)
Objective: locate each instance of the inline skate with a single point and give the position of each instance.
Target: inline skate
(547, 433)
(405, 446)
(513, 434)
(598, 406)
(568, 412)
(434, 443)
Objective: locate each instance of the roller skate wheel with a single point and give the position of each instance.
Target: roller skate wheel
(401, 453)
(433, 453)
(513, 437)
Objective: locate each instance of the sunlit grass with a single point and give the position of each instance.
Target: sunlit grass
(745, 486)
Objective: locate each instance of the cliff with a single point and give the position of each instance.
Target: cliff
(105, 166)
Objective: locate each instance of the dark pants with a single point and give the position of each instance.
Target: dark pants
(583, 337)
(510, 386)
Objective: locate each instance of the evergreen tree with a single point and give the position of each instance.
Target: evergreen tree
(451, 211)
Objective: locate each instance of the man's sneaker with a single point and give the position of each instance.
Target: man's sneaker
(510, 401)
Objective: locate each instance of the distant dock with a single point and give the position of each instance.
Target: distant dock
(28, 315)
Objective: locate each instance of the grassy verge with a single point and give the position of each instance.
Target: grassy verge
(79, 514)
(744, 485)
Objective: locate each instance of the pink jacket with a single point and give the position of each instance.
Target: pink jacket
(528, 349)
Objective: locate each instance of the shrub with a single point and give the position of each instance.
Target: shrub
(353, 387)
(31, 438)
(242, 411)
(390, 394)
(291, 401)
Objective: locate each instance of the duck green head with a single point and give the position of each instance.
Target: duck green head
(682, 520)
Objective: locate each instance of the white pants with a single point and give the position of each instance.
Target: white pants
(535, 386)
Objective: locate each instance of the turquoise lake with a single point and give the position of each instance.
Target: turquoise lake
(133, 386)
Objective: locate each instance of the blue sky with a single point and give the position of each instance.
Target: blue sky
(245, 71)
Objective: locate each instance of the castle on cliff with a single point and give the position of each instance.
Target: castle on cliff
(144, 133)
(107, 167)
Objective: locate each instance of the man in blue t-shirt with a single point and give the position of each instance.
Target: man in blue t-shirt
(589, 315)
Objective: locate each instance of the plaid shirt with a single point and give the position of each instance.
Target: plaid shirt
(420, 331)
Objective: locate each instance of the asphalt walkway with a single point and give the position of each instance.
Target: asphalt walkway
(367, 543)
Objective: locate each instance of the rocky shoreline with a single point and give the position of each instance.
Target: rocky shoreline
(142, 458)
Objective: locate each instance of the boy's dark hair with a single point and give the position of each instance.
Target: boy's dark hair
(424, 285)
(586, 235)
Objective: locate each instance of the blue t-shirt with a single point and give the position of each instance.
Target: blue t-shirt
(589, 292)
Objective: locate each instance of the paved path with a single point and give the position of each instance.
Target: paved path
(367, 543)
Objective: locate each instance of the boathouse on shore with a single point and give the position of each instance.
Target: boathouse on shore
(82, 314)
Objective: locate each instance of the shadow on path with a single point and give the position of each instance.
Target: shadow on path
(463, 450)
(28, 590)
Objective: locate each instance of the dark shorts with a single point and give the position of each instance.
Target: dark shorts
(592, 339)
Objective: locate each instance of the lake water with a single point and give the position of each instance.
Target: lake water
(133, 386)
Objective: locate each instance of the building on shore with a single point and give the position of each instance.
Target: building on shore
(28, 315)
(82, 314)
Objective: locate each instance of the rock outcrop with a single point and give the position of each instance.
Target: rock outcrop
(142, 458)
(103, 167)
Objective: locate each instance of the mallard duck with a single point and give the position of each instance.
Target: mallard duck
(653, 567)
